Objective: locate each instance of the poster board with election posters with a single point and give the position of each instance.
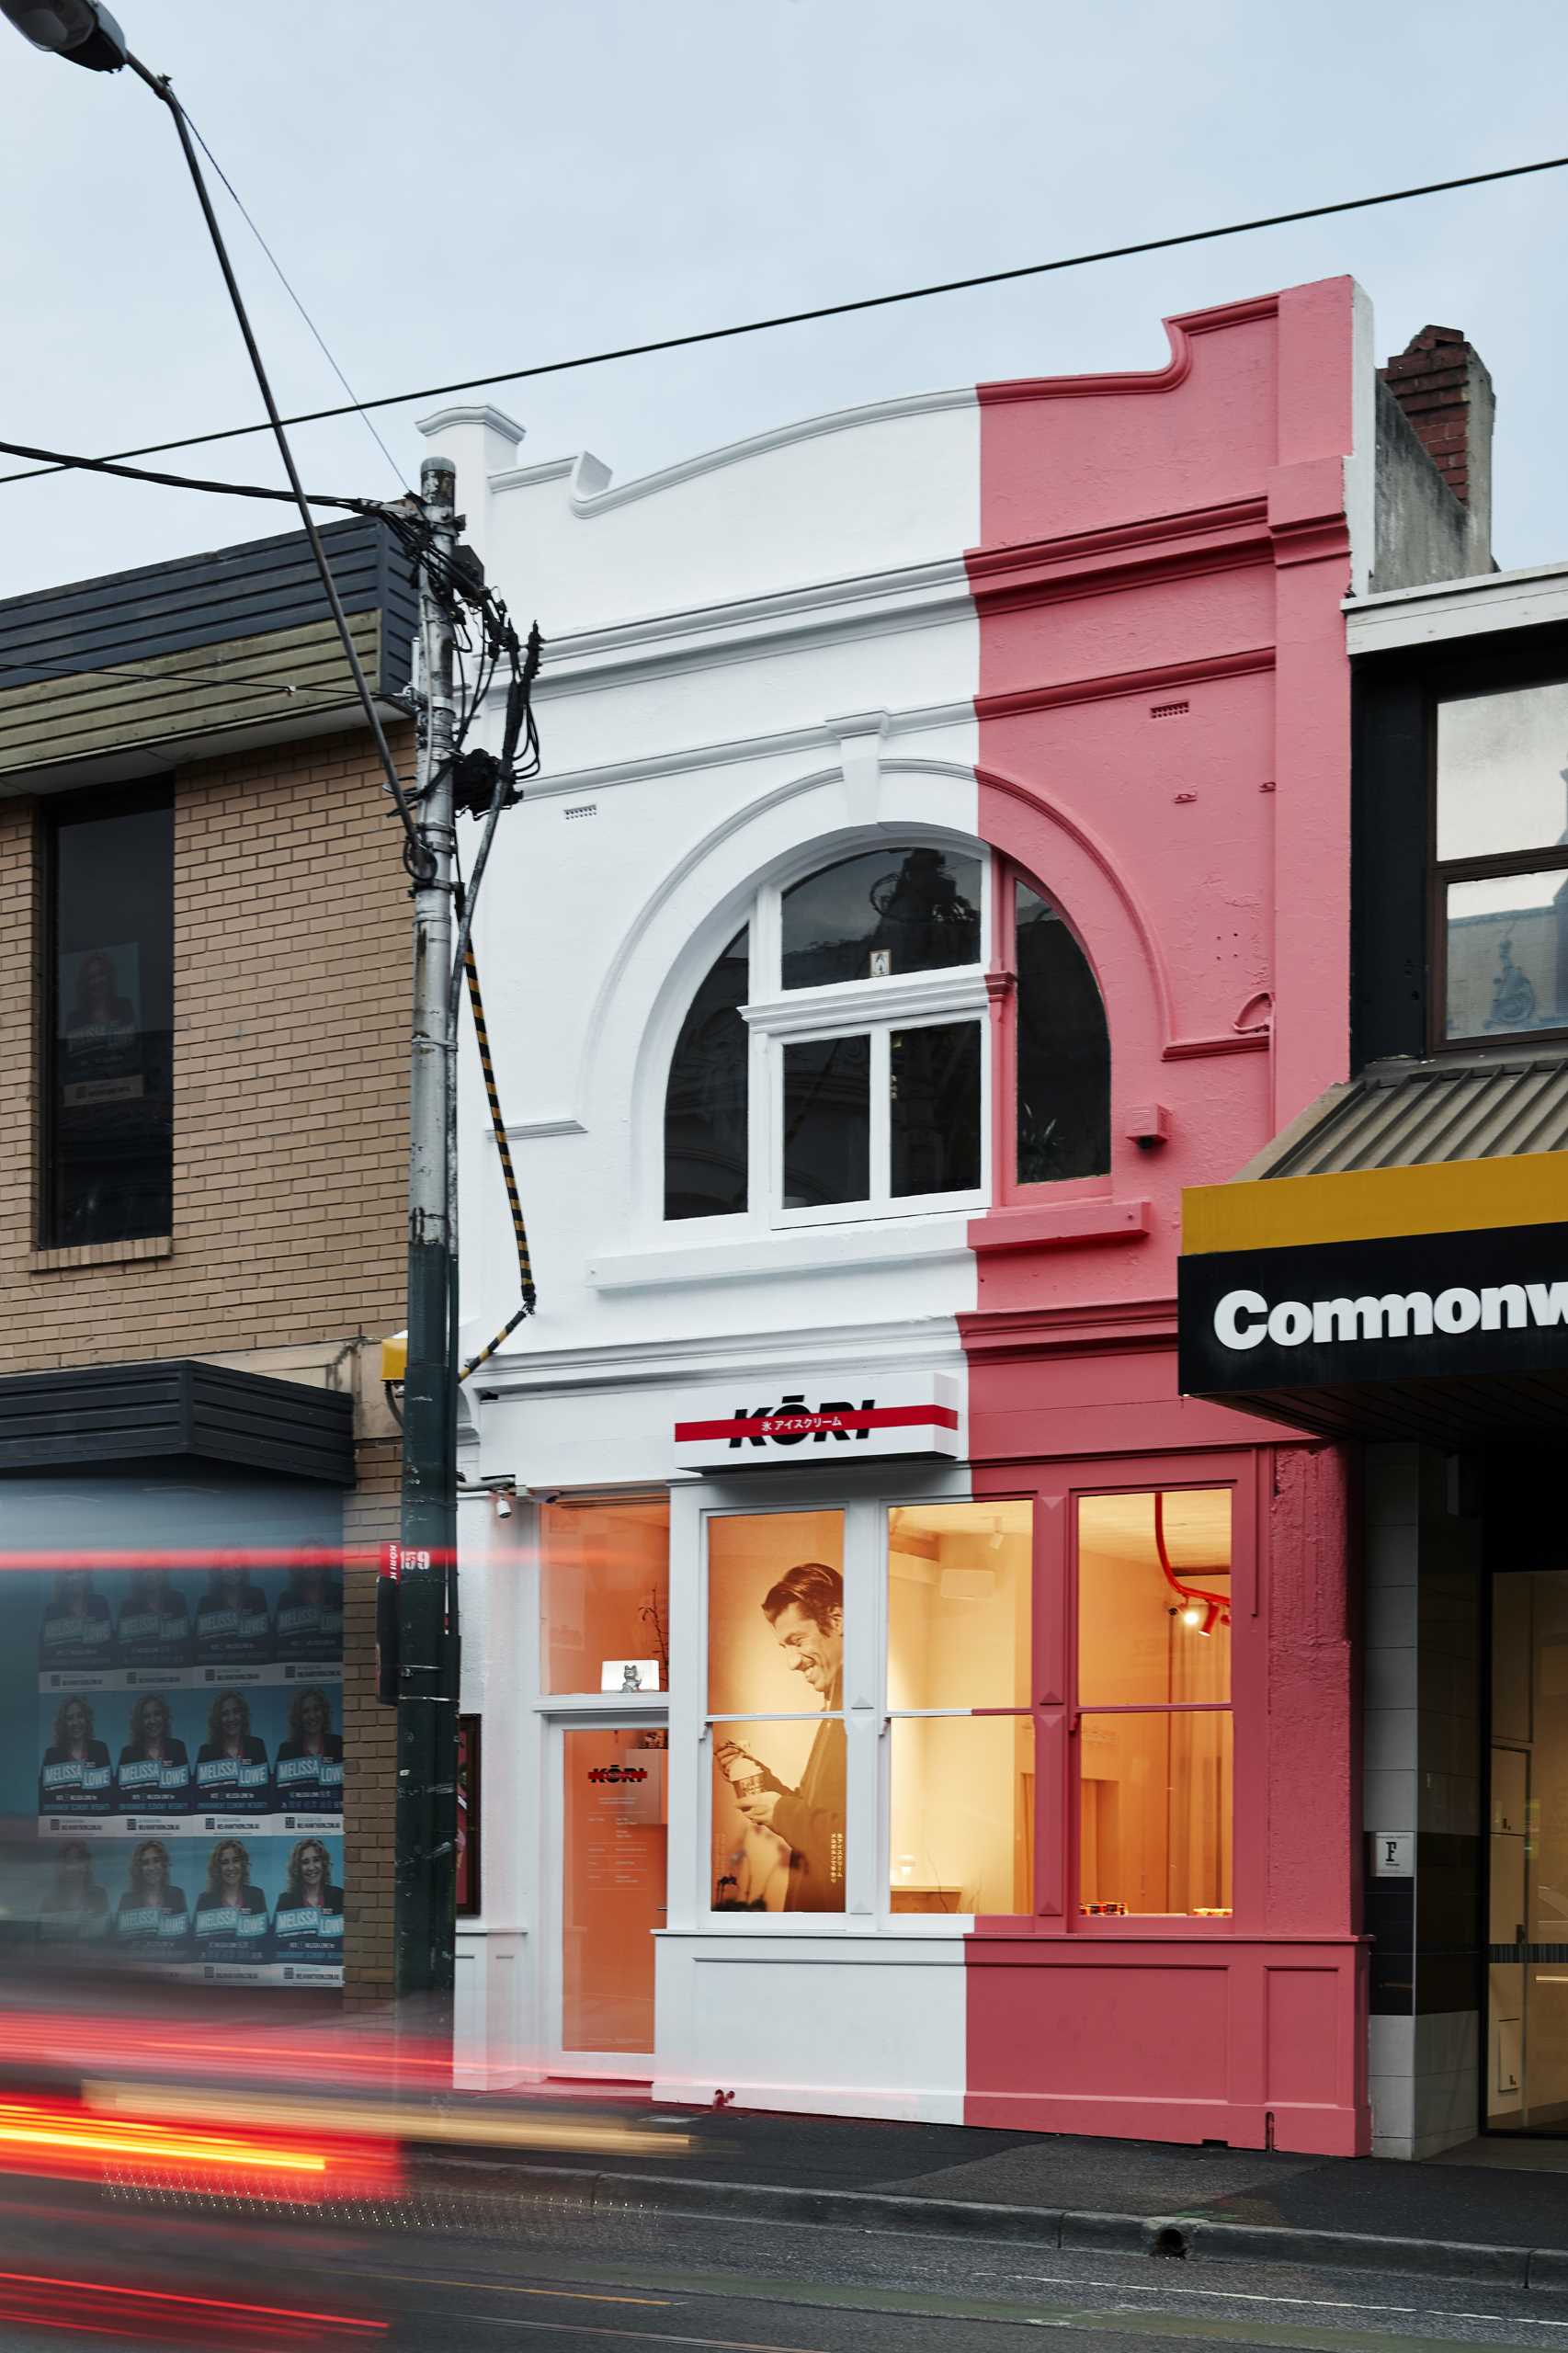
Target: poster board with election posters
(171, 1734)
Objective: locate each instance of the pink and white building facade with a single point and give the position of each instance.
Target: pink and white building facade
(895, 1698)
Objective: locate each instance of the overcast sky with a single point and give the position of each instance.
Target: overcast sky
(487, 183)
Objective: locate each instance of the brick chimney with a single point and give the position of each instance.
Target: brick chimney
(1441, 383)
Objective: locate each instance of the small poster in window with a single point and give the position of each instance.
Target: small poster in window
(629, 1675)
(98, 998)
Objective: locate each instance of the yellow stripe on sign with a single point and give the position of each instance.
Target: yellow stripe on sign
(1372, 1204)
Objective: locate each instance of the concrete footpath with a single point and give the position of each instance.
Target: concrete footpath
(1496, 2212)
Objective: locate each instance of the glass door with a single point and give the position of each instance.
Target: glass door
(1527, 2083)
(614, 1817)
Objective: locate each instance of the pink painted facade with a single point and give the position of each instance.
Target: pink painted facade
(1164, 727)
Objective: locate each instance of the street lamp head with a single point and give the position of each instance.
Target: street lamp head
(79, 30)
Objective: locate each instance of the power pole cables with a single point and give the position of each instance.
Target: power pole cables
(425, 1913)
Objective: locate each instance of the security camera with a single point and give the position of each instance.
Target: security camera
(502, 1507)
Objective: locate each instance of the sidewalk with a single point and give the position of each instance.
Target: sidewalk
(1504, 2219)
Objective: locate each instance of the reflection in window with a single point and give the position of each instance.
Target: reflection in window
(1063, 1051)
(963, 1826)
(1154, 1683)
(604, 1595)
(776, 1650)
(884, 912)
(1501, 786)
(109, 1147)
(1502, 796)
(933, 1082)
(1508, 954)
(959, 1586)
(705, 1138)
(827, 1121)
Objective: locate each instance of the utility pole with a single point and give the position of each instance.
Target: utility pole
(425, 1916)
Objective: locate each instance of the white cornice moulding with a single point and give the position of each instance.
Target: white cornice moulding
(850, 1005)
(587, 661)
(787, 1253)
(936, 719)
(932, 1341)
(601, 499)
(494, 420)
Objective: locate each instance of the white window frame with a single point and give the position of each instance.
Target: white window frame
(865, 1503)
(874, 1008)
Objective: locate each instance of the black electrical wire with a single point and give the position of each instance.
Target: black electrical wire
(67, 462)
(844, 309)
(416, 856)
(282, 277)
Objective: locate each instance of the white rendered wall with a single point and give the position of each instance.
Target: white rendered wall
(755, 663)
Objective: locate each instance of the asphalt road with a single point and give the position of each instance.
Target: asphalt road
(559, 2279)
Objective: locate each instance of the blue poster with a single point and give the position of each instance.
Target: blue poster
(171, 1734)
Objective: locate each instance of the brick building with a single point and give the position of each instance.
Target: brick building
(203, 1065)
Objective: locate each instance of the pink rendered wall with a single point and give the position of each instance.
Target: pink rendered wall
(1164, 723)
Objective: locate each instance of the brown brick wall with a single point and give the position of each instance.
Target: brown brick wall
(292, 982)
(292, 959)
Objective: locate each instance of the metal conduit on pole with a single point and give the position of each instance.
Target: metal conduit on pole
(425, 1908)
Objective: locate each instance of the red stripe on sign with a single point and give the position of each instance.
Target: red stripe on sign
(881, 1417)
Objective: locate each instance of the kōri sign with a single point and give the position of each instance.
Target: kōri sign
(817, 1416)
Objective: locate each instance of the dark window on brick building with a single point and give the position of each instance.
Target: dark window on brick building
(109, 1021)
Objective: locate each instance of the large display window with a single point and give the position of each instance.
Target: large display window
(1041, 1720)
(960, 1784)
(776, 1625)
(1153, 1594)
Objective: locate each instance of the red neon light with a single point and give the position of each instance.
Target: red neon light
(1216, 1606)
(200, 2303)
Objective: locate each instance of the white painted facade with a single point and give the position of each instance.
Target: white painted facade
(756, 662)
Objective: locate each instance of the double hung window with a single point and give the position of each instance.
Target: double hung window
(1501, 840)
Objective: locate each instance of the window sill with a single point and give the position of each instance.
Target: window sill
(786, 1251)
(1069, 1223)
(101, 1254)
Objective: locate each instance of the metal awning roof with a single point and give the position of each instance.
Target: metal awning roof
(1402, 1114)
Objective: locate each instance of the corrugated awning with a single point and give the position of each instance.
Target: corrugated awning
(1398, 1115)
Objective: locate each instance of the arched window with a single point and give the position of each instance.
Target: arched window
(1062, 1054)
(833, 1062)
(707, 1099)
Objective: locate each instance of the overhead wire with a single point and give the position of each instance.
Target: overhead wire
(416, 855)
(68, 461)
(282, 277)
(844, 309)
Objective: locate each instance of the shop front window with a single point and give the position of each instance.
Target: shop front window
(605, 1595)
(775, 1627)
(1154, 1698)
(961, 1783)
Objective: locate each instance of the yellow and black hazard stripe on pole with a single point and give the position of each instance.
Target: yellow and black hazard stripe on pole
(520, 1231)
